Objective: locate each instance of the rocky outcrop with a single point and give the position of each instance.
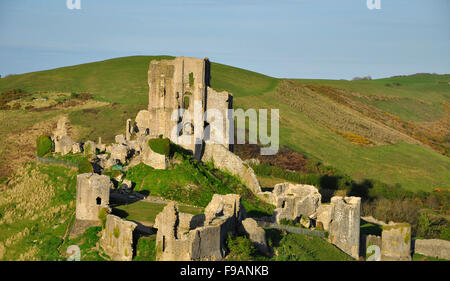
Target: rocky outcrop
(117, 238)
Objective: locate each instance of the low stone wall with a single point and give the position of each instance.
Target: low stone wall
(435, 248)
(56, 162)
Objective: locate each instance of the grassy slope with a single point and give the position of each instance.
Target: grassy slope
(123, 80)
(413, 98)
(413, 166)
(146, 212)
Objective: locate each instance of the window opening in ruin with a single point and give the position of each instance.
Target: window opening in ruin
(99, 200)
(164, 243)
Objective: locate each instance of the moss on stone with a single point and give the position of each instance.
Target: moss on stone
(396, 226)
(186, 102)
(116, 232)
(191, 80)
(102, 214)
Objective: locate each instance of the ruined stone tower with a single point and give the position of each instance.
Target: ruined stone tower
(183, 83)
(174, 84)
(92, 195)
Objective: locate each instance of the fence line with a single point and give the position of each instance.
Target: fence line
(56, 161)
(291, 229)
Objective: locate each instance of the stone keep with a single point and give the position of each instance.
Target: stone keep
(117, 238)
(92, 195)
(175, 84)
(345, 224)
(182, 83)
(396, 242)
(185, 237)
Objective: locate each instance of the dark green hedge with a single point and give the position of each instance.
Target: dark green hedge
(160, 146)
(44, 145)
(85, 167)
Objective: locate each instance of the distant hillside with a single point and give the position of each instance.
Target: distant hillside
(124, 80)
(394, 130)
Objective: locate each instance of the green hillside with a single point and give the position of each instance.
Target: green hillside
(124, 80)
(395, 148)
(413, 98)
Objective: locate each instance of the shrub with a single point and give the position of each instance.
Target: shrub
(44, 145)
(445, 234)
(146, 249)
(85, 166)
(241, 248)
(160, 146)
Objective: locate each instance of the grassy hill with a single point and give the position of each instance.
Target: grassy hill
(394, 130)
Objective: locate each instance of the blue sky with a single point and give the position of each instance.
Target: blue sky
(281, 38)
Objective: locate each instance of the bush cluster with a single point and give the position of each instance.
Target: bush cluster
(85, 167)
(44, 145)
(160, 145)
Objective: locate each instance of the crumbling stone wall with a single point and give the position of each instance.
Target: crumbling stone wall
(117, 238)
(171, 84)
(92, 195)
(436, 248)
(366, 250)
(396, 242)
(228, 161)
(187, 237)
(256, 234)
(294, 201)
(63, 142)
(345, 224)
(153, 159)
(323, 216)
(218, 105)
